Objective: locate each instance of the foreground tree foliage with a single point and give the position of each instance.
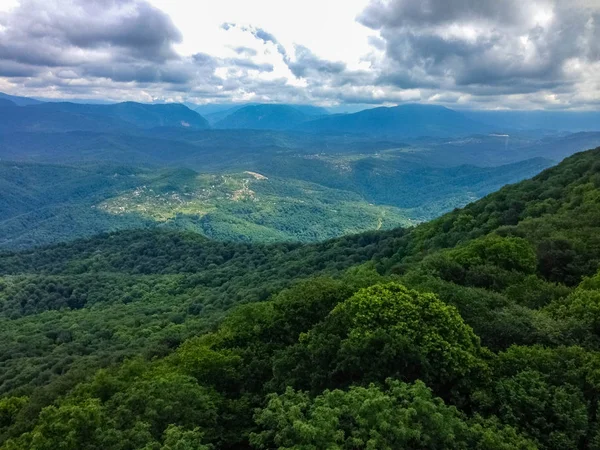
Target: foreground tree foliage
(384, 330)
(477, 330)
(401, 416)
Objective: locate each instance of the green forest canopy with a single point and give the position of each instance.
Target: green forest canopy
(479, 329)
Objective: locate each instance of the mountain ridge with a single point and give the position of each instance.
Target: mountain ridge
(407, 120)
(263, 117)
(123, 117)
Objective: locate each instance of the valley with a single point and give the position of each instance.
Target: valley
(287, 197)
(139, 167)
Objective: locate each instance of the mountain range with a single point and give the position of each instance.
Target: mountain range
(262, 173)
(216, 113)
(115, 117)
(404, 121)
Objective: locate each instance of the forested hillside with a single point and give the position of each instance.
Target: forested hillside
(476, 330)
(299, 198)
(43, 204)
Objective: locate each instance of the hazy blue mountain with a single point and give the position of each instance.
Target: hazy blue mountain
(33, 118)
(404, 121)
(122, 117)
(221, 150)
(496, 149)
(212, 108)
(571, 121)
(215, 112)
(266, 116)
(311, 110)
(138, 114)
(216, 116)
(20, 101)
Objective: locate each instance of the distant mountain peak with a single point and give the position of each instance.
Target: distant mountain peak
(264, 116)
(409, 120)
(122, 117)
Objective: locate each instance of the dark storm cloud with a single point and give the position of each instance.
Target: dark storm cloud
(484, 47)
(59, 42)
(449, 50)
(141, 28)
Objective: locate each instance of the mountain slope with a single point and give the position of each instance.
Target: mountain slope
(296, 199)
(263, 117)
(137, 114)
(404, 121)
(43, 204)
(213, 114)
(20, 101)
(32, 118)
(480, 321)
(121, 117)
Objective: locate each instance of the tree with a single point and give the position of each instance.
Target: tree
(402, 416)
(384, 331)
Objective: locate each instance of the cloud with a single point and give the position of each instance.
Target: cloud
(485, 47)
(249, 64)
(401, 13)
(127, 40)
(15, 69)
(115, 46)
(478, 53)
(306, 61)
(259, 34)
(53, 33)
(246, 51)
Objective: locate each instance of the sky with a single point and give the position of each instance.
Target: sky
(477, 54)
